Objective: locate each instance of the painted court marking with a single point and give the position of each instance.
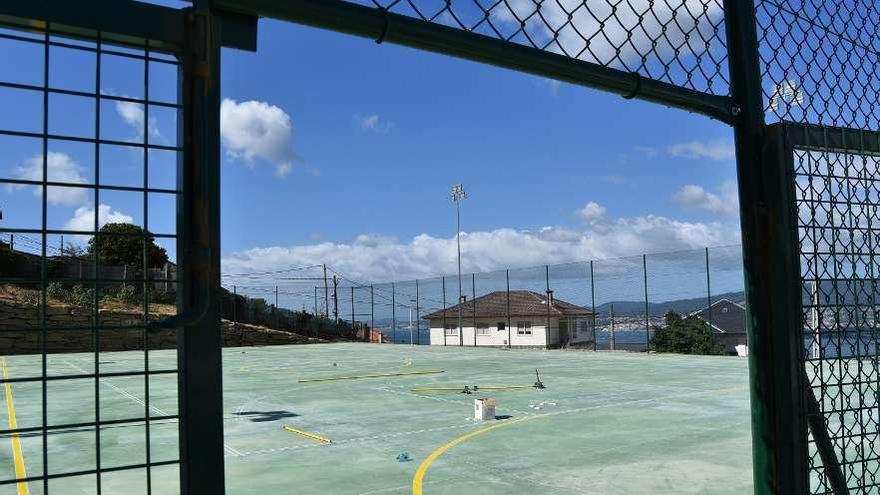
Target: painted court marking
(423, 467)
(374, 375)
(17, 457)
(313, 436)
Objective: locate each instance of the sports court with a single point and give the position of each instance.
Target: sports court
(605, 423)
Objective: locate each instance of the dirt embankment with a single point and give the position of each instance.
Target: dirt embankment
(71, 328)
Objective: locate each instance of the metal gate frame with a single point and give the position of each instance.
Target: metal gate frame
(766, 201)
(196, 35)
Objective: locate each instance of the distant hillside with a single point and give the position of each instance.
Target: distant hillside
(635, 308)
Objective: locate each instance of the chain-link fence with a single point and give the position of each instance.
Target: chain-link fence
(608, 304)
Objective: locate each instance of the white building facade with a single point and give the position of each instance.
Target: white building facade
(522, 320)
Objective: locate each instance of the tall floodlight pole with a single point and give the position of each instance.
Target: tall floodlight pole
(458, 195)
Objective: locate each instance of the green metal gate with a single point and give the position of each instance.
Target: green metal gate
(814, 419)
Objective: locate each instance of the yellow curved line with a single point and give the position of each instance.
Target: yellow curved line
(423, 467)
(17, 457)
(375, 375)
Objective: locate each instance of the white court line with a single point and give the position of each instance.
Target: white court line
(138, 400)
(594, 407)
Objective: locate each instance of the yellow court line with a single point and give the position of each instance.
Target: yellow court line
(376, 375)
(17, 457)
(423, 467)
(308, 435)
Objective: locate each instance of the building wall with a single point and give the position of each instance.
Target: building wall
(498, 338)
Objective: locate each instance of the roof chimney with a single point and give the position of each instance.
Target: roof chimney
(462, 299)
(550, 295)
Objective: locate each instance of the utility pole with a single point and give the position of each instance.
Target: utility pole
(458, 195)
(234, 302)
(275, 308)
(326, 298)
(352, 311)
(316, 302)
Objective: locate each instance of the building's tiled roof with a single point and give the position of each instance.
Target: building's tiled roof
(522, 303)
(727, 316)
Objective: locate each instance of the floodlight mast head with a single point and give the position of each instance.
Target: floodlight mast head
(457, 193)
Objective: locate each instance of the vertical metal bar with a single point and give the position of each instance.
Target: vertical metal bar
(647, 318)
(612, 344)
(372, 313)
(509, 334)
(549, 304)
(44, 269)
(708, 293)
(779, 433)
(443, 279)
(200, 396)
(474, 303)
(234, 305)
(146, 267)
(418, 316)
(593, 305)
(316, 303)
(326, 294)
(352, 311)
(336, 304)
(393, 315)
(275, 311)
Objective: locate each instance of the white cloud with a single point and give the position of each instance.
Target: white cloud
(725, 202)
(618, 32)
(253, 130)
(60, 167)
(373, 123)
(714, 150)
(377, 258)
(591, 212)
(133, 115)
(84, 218)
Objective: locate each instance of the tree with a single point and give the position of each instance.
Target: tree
(122, 244)
(685, 335)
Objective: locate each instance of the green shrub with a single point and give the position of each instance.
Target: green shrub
(76, 295)
(124, 294)
(688, 335)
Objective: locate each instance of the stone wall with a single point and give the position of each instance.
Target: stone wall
(70, 329)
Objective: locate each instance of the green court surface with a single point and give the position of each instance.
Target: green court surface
(606, 423)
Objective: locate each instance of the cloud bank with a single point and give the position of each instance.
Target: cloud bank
(377, 258)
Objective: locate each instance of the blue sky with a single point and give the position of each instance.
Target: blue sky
(380, 132)
(341, 151)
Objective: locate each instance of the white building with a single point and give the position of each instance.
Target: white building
(520, 318)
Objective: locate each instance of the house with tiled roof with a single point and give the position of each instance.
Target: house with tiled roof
(518, 318)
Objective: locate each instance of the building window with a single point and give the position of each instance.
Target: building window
(451, 330)
(483, 329)
(501, 325)
(523, 328)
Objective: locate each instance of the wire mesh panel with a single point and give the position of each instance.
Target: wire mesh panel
(571, 302)
(837, 198)
(431, 303)
(87, 241)
(820, 61)
(677, 42)
(620, 303)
